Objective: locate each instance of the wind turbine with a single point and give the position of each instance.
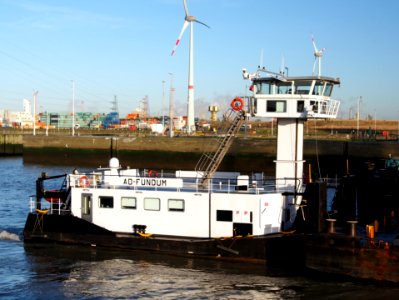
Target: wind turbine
(189, 20)
(318, 54)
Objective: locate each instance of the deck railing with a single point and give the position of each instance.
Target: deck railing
(53, 208)
(226, 185)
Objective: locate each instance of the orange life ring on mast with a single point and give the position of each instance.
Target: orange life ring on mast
(237, 104)
(152, 172)
(84, 181)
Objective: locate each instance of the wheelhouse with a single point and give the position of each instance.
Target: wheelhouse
(294, 97)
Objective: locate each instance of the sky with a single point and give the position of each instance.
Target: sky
(121, 49)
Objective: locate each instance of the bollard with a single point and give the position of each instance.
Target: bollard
(352, 228)
(331, 225)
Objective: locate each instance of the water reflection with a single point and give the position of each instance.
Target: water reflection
(92, 272)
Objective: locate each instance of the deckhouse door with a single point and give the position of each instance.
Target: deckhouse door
(87, 207)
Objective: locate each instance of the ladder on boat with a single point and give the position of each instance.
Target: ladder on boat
(210, 160)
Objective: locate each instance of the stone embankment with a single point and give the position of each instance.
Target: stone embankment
(11, 144)
(198, 145)
(246, 154)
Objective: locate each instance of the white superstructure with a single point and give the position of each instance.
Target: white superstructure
(176, 204)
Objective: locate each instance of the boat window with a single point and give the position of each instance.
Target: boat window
(175, 204)
(224, 215)
(300, 106)
(106, 201)
(318, 88)
(152, 204)
(328, 90)
(284, 88)
(315, 106)
(276, 106)
(303, 88)
(263, 88)
(129, 202)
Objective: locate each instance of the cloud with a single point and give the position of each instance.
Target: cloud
(52, 17)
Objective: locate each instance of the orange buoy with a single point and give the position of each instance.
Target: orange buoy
(237, 104)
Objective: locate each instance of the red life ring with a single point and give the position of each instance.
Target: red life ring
(237, 104)
(84, 181)
(152, 172)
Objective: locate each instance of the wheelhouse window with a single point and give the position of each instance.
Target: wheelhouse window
(303, 88)
(318, 88)
(224, 215)
(106, 202)
(279, 106)
(264, 88)
(129, 202)
(328, 90)
(284, 88)
(152, 204)
(175, 204)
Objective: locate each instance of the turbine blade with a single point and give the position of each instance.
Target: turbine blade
(314, 45)
(201, 23)
(179, 38)
(185, 7)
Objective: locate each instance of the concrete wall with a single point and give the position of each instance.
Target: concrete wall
(11, 144)
(199, 144)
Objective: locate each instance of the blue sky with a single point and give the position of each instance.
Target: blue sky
(123, 48)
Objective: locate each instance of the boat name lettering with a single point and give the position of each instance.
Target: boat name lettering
(145, 181)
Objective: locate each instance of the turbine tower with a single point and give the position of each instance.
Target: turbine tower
(189, 20)
(318, 54)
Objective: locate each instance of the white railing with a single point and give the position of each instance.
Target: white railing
(323, 108)
(52, 208)
(226, 185)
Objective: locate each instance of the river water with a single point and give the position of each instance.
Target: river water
(72, 272)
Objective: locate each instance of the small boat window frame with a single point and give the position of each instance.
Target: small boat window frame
(106, 201)
(176, 205)
(277, 106)
(128, 202)
(224, 215)
(152, 203)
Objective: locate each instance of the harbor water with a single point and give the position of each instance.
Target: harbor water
(35, 271)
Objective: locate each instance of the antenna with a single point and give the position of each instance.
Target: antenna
(261, 59)
(189, 20)
(282, 67)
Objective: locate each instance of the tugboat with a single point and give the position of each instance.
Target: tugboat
(201, 212)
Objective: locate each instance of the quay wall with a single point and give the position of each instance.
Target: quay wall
(11, 144)
(364, 149)
(246, 154)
